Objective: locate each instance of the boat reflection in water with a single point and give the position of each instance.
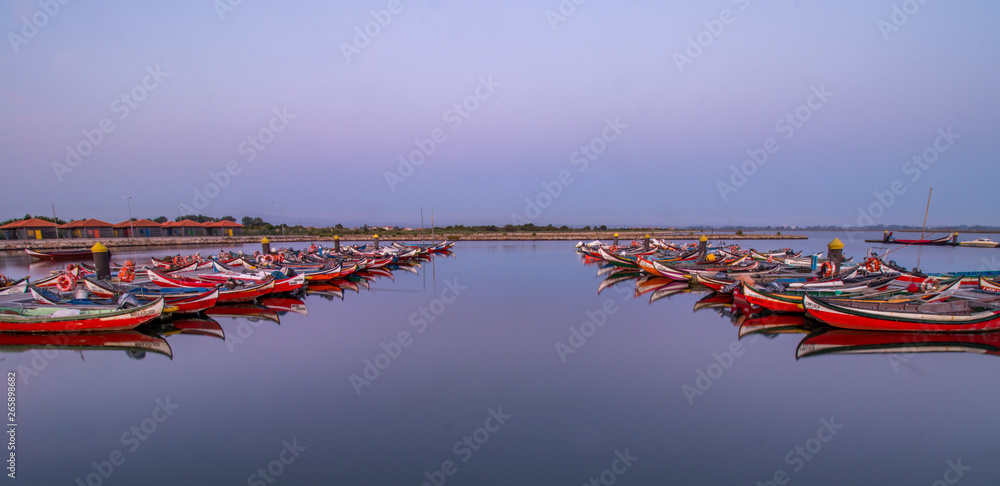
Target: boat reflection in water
(191, 326)
(250, 311)
(134, 343)
(829, 340)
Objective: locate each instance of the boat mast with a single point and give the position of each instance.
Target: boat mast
(54, 218)
(924, 228)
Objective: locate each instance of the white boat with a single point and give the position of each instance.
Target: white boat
(981, 243)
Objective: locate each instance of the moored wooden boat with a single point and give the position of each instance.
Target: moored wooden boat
(16, 287)
(71, 254)
(950, 316)
(68, 319)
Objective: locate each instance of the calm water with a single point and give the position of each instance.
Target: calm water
(484, 391)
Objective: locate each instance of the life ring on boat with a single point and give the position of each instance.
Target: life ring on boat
(281, 257)
(312, 249)
(65, 283)
(4, 281)
(930, 284)
(126, 274)
(826, 269)
(873, 265)
(269, 258)
(178, 261)
(197, 258)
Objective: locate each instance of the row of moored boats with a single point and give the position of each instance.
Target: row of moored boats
(74, 299)
(872, 294)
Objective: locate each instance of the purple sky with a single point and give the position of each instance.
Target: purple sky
(546, 82)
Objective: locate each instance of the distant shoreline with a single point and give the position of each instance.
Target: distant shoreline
(231, 241)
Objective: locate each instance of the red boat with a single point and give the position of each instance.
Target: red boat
(957, 316)
(211, 280)
(182, 303)
(944, 240)
(74, 254)
(76, 319)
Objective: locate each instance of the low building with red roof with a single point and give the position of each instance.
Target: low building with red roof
(30, 229)
(87, 228)
(184, 227)
(143, 228)
(224, 228)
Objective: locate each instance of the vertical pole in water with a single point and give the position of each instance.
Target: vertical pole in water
(615, 240)
(102, 260)
(336, 244)
(375, 239)
(954, 237)
(924, 228)
(835, 254)
(645, 244)
(702, 247)
(265, 246)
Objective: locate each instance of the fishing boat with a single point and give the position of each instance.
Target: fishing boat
(174, 303)
(980, 243)
(942, 241)
(55, 318)
(987, 285)
(70, 254)
(16, 287)
(949, 316)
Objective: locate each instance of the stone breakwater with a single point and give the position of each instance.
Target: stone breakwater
(232, 241)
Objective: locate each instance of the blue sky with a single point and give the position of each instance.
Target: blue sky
(306, 110)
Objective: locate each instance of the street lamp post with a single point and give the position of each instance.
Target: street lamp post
(131, 228)
(282, 223)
